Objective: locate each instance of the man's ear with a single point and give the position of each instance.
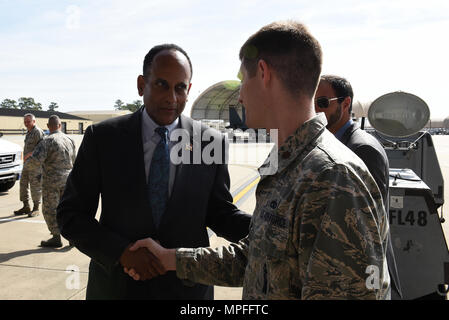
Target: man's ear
(140, 84)
(346, 103)
(264, 71)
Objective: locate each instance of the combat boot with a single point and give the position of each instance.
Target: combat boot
(35, 211)
(54, 242)
(25, 210)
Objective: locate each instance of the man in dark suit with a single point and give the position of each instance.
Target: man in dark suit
(334, 97)
(125, 160)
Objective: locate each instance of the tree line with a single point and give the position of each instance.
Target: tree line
(135, 105)
(25, 103)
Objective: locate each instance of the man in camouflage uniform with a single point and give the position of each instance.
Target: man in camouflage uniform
(31, 177)
(319, 228)
(56, 154)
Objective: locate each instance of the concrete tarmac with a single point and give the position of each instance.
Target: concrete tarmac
(29, 272)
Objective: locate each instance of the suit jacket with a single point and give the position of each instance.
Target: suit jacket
(110, 164)
(368, 148)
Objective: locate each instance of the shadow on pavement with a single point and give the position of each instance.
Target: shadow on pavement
(11, 255)
(13, 218)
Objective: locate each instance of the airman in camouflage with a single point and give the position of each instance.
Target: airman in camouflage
(319, 228)
(56, 154)
(31, 177)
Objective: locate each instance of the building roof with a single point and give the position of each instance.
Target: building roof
(214, 102)
(119, 112)
(38, 114)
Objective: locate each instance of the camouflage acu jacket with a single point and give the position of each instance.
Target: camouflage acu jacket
(56, 154)
(32, 139)
(318, 230)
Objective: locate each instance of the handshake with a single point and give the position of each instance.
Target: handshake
(146, 259)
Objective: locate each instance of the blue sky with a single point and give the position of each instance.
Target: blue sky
(84, 55)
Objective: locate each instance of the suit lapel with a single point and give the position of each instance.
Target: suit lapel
(182, 172)
(133, 132)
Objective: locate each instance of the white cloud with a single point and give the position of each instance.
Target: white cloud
(72, 21)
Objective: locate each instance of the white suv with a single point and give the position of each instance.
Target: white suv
(11, 164)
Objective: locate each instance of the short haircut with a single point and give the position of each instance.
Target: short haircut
(290, 49)
(341, 86)
(30, 115)
(54, 121)
(155, 50)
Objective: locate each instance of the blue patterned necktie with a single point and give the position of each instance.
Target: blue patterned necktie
(158, 176)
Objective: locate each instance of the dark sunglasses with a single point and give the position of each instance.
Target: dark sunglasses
(324, 102)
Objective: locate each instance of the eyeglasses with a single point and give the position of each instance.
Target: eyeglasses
(324, 102)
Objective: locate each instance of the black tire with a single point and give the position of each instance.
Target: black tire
(5, 186)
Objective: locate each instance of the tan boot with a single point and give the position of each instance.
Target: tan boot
(35, 211)
(25, 210)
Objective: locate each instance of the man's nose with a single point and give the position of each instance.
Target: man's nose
(171, 97)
